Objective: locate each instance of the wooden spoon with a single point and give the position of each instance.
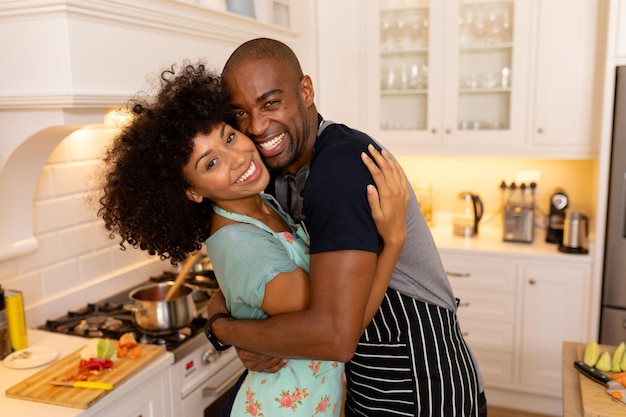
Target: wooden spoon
(180, 279)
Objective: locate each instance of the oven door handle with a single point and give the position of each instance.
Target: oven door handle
(212, 390)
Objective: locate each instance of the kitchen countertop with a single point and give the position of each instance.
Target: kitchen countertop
(65, 345)
(489, 240)
(572, 403)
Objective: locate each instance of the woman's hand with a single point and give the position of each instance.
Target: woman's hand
(389, 200)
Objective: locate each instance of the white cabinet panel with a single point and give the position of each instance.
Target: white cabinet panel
(564, 74)
(620, 51)
(553, 311)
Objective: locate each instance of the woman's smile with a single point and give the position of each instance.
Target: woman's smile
(249, 174)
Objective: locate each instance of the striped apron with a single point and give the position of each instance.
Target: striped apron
(412, 361)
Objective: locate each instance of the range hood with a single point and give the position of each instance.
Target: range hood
(66, 63)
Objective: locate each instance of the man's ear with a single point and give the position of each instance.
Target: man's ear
(306, 90)
(193, 196)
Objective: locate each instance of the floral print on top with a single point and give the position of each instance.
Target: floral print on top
(303, 387)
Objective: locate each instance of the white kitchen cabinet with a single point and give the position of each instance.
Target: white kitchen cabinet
(447, 74)
(553, 310)
(487, 312)
(417, 82)
(564, 87)
(515, 311)
(151, 399)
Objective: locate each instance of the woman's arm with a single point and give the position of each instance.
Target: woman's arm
(389, 203)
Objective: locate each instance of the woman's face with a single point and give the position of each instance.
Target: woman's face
(224, 167)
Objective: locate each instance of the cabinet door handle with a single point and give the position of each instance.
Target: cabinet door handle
(458, 274)
(448, 131)
(465, 334)
(433, 131)
(532, 281)
(465, 304)
(540, 130)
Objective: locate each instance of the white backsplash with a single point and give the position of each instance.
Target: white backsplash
(76, 262)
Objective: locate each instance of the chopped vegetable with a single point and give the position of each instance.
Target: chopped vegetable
(621, 378)
(135, 353)
(616, 395)
(604, 363)
(592, 353)
(122, 351)
(100, 348)
(94, 364)
(617, 357)
(127, 340)
(106, 348)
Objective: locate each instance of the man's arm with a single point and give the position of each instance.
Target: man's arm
(329, 329)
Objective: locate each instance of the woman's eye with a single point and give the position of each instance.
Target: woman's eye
(211, 164)
(230, 137)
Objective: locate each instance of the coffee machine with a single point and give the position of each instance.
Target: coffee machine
(556, 219)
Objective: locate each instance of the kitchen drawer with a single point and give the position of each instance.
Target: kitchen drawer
(496, 368)
(483, 335)
(489, 306)
(481, 274)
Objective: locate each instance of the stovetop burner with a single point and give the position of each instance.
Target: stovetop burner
(109, 319)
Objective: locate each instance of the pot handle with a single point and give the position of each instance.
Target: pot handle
(134, 308)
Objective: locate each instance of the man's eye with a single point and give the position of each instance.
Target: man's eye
(272, 103)
(240, 114)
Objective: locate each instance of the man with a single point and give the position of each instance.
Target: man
(411, 360)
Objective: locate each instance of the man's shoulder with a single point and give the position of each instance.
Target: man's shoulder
(338, 141)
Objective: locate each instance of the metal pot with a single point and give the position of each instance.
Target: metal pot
(153, 313)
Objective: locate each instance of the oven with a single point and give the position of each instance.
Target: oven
(201, 378)
(202, 381)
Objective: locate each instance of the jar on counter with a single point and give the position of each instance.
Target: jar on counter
(5, 345)
(424, 192)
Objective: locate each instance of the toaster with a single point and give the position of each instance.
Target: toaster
(518, 223)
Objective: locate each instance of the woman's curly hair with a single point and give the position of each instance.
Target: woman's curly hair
(144, 200)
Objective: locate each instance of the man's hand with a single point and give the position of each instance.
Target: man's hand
(252, 361)
(262, 363)
(389, 200)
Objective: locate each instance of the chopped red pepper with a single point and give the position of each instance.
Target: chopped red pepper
(94, 364)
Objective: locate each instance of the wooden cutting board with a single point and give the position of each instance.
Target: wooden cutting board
(595, 401)
(37, 387)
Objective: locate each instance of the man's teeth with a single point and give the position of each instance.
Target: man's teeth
(271, 144)
(249, 172)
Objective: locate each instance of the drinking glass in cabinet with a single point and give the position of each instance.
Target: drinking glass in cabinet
(403, 30)
(485, 24)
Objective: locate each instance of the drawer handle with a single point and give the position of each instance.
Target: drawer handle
(464, 304)
(532, 281)
(458, 274)
(465, 334)
(211, 390)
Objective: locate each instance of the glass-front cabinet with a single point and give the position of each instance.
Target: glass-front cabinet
(448, 72)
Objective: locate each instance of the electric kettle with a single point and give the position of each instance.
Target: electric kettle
(467, 214)
(575, 232)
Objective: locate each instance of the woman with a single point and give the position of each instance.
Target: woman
(179, 175)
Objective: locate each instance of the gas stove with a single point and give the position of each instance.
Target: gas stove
(108, 318)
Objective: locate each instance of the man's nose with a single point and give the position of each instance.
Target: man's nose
(258, 125)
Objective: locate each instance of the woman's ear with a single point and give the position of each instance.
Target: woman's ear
(193, 196)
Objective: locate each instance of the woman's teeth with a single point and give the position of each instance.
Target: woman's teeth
(247, 174)
(271, 144)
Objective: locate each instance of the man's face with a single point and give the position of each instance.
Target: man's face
(270, 106)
